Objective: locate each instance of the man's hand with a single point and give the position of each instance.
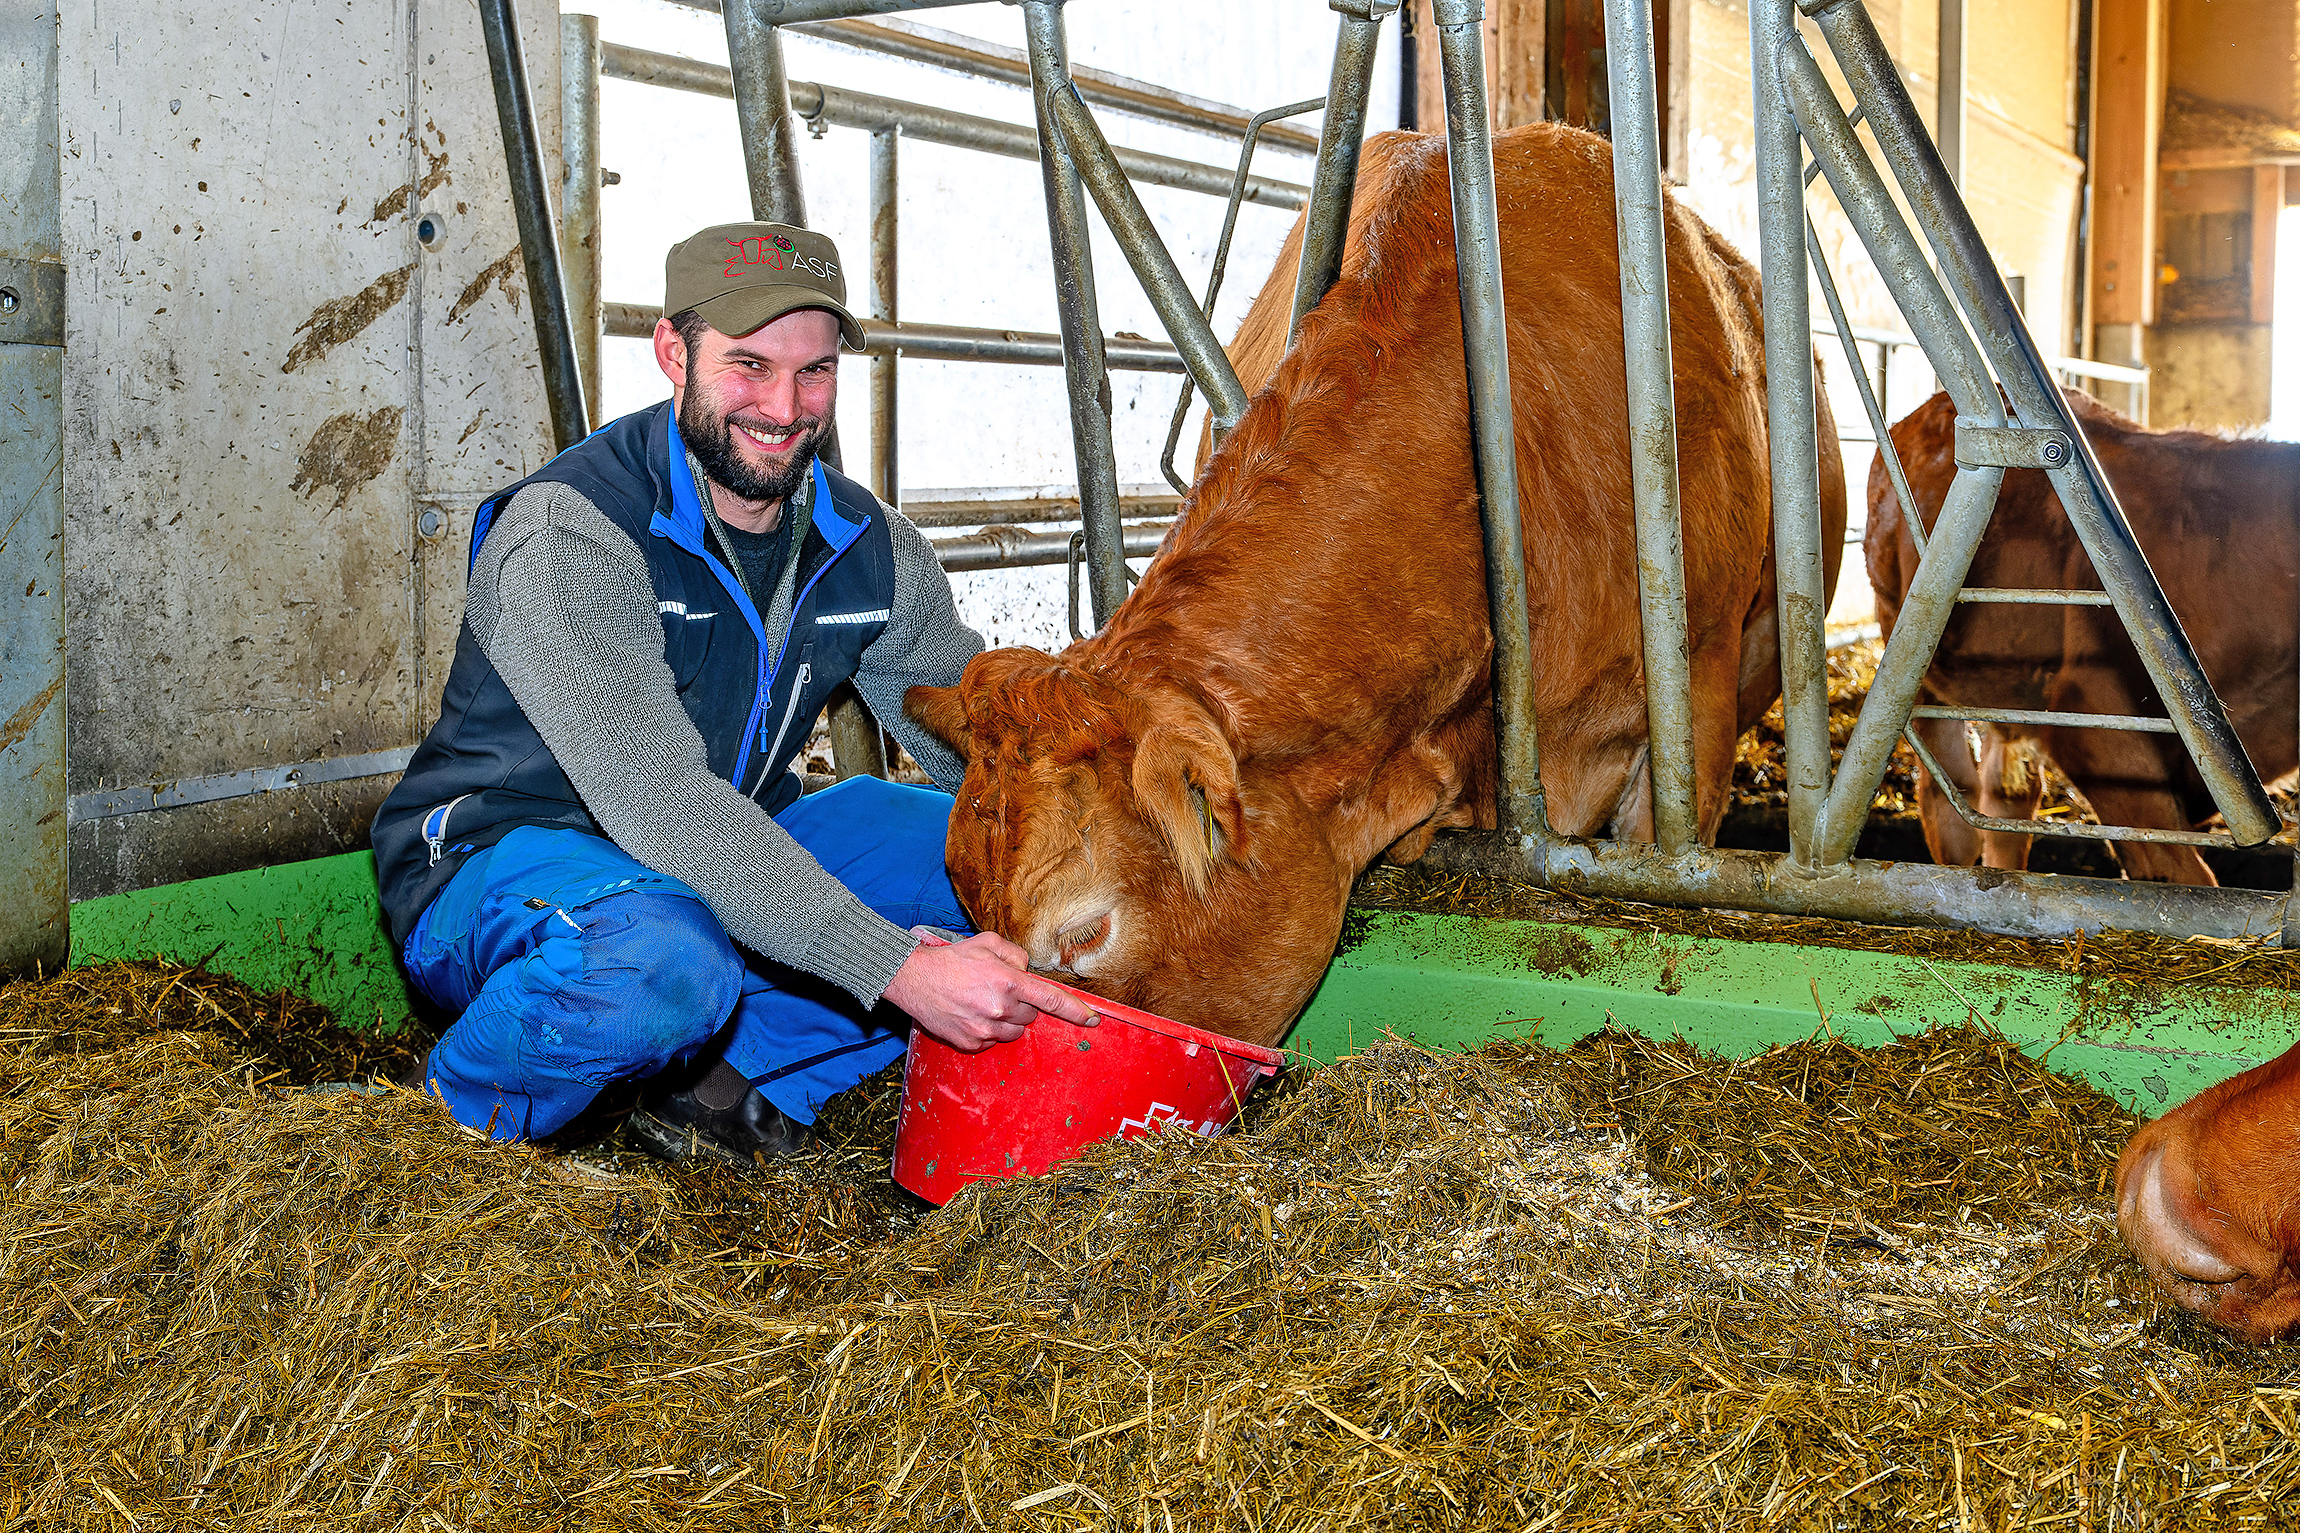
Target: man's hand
(975, 993)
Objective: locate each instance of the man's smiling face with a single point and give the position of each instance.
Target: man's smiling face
(754, 408)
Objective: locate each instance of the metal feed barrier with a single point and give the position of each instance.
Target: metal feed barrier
(1796, 110)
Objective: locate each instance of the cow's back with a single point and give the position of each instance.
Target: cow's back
(1561, 281)
(2216, 518)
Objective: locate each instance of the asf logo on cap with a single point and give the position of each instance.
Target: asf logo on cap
(776, 253)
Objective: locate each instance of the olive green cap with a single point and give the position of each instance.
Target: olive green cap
(740, 276)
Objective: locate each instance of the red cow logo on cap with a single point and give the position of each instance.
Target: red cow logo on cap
(757, 250)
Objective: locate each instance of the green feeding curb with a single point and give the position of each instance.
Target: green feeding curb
(1446, 982)
(315, 928)
(1454, 982)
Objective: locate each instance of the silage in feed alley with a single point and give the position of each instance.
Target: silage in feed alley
(1628, 1285)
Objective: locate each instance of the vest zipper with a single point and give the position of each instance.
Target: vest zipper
(435, 827)
(773, 752)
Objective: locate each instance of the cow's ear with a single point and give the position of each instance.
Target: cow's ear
(1186, 779)
(941, 714)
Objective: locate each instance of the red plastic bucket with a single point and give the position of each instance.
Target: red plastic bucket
(1019, 1108)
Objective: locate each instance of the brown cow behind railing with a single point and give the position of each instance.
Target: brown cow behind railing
(2216, 517)
(1175, 808)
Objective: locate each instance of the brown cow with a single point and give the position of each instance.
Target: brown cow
(2216, 517)
(1175, 808)
(2204, 1199)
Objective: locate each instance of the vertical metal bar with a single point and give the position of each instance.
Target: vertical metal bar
(1083, 366)
(1485, 344)
(763, 113)
(1924, 615)
(1326, 223)
(1643, 240)
(1793, 437)
(885, 229)
(538, 241)
(1949, 110)
(1971, 272)
(1162, 281)
(579, 184)
(34, 915)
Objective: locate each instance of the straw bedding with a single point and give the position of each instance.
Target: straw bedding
(1623, 1286)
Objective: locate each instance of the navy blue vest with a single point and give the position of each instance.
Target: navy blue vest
(483, 771)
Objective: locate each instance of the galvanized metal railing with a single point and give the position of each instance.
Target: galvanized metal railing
(1962, 316)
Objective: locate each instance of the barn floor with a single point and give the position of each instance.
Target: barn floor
(1623, 1285)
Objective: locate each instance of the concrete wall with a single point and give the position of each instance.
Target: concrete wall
(267, 380)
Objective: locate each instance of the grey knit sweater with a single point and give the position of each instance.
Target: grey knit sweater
(561, 604)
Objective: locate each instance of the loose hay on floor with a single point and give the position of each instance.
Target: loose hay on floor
(1625, 1286)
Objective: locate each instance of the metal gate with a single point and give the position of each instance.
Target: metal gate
(1940, 274)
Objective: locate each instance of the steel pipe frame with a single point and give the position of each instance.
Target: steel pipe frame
(1956, 534)
(579, 192)
(1084, 368)
(538, 240)
(947, 343)
(990, 61)
(1485, 347)
(1162, 281)
(1187, 392)
(782, 13)
(885, 251)
(1652, 400)
(2084, 492)
(1801, 601)
(2071, 831)
(2038, 905)
(843, 108)
(1340, 140)
(1010, 548)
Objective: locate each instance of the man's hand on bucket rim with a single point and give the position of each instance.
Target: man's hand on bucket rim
(977, 992)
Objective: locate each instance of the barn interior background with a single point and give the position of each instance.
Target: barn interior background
(266, 337)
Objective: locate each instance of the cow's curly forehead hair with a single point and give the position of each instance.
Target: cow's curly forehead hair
(1038, 708)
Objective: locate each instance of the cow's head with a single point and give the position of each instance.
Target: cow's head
(1111, 831)
(2204, 1200)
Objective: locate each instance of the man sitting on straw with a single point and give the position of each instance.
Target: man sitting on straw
(599, 861)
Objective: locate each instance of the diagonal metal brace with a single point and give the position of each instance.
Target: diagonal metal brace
(1985, 446)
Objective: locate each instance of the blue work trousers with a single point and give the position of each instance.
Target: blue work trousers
(570, 966)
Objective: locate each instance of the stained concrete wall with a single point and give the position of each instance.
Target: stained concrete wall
(268, 380)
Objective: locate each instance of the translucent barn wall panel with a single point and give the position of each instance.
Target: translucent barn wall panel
(269, 380)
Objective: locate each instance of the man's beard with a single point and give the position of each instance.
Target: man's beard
(711, 438)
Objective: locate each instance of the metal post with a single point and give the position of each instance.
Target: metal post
(1950, 109)
(1339, 142)
(2028, 381)
(1485, 345)
(1644, 246)
(763, 111)
(1082, 363)
(538, 241)
(885, 227)
(1154, 267)
(1801, 589)
(34, 916)
(579, 59)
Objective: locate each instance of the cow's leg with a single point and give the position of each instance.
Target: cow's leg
(1953, 843)
(2011, 778)
(2129, 779)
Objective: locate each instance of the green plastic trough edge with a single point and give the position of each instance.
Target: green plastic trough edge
(1447, 982)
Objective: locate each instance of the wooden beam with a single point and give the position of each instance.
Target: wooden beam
(2128, 116)
(1517, 47)
(2267, 208)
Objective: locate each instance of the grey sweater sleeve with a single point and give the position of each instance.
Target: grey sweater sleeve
(561, 603)
(923, 645)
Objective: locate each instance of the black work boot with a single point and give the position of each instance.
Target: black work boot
(719, 1115)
